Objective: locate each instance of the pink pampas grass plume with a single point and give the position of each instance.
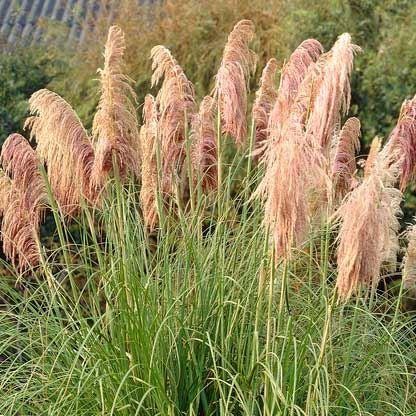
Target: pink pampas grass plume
(293, 76)
(176, 106)
(64, 145)
(265, 98)
(343, 163)
(22, 204)
(401, 146)
(295, 175)
(368, 233)
(204, 146)
(238, 61)
(115, 126)
(330, 90)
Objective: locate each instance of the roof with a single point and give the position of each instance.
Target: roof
(19, 18)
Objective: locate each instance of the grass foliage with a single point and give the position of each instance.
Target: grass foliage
(197, 320)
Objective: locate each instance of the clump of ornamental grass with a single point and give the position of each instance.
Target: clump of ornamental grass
(64, 146)
(238, 62)
(149, 177)
(204, 146)
(115, 126)
(23, 202)
(176, 106)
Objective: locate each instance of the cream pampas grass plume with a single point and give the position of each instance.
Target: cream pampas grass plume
(409, 261)
(344, 167)
(238, 61)
(372, 156)
(265, 98)
(204, 146)
(63, 144)
(368, 233)
(176, 105)
(22, 203)
(330, 90)
(148, 137)
(115, 126)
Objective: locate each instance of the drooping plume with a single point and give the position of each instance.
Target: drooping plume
(21, 163)
(238, 61)
(401, 145)
(330, 90)
(265, 98)
(149, 189)
(23, 202)
(63, 144)
(368, 234)
(343, 163)
(176, 106)
(204, 146)
(295, 176)
(115, 126)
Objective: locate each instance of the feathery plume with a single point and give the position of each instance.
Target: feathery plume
(401, 146)
(343, 164)
(176, 104)
(63, 144)
(115, 123)
(368, 233)
(238, 61)
(331, 91)
(148, 137)
(204, 145)
(264, 102)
